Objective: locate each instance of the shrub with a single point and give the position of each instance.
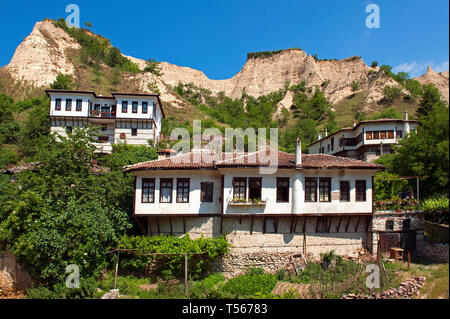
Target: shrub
(87, 290)
(436, 210)
(374, 64)
(211, 282)
(254, 282)
(355, 86)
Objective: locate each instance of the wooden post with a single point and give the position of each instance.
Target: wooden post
(117, 270)
(418, 198)
(185, 274)
(409, 258)
(206, 291)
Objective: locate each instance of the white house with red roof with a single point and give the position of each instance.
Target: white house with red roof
(123, 117)
(321, 199)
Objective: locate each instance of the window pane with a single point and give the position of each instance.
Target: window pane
(310, 189)
(166, 191)
(324, 189)
(206, 192)
(344, 191)
(360, 191)
(283, 190)
(254, 191)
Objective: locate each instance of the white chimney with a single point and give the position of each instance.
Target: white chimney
(319, 137)
(326, 132)
(298, 152)
(354, 124)
(406, 116)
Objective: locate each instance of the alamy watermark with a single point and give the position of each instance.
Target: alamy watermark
(73, 279)
(373, 19)
(73, 19)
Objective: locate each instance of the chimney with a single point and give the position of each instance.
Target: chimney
(354, 124)
(406, 116)
(319, 137)
(326, 132)
(298, 152)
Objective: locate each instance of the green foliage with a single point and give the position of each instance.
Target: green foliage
(88, 287)
(266, 54)
(62, 213)
(254, 282)
(355, 86)
(391, 92)
(124, 155)
(436, 209)
(7, 156)
(387, 69)
(62, 82)
(387, 113)
(431, 98)
(425, 153)
(374, 64)
(401, 77)
(153, 67)
(173, 265)
(414, 87)
(211, 284)
(95, 49)
(388, 186)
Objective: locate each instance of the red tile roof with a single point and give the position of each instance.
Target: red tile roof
(207, 160)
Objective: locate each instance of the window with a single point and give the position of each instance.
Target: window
(206, 195)
(165, 194)
(358, 139)
(332, 144)
(360, 191)
(325, 189)
(407, 224)
(134, 132)
(104, 128)
(254, 188)
(283, 190)
(239, 188)
(58, 104)
(329, 148)
(390, 134)
(383, 134)
(376, 135)
(68, 105)
(344, 191)
(148, 191)
(310, 189)
(183, 190)
(145, 107)
(368, 135)
(79, 106)
(124, 106)
(134, 107)
(399, 134)
(389, 225)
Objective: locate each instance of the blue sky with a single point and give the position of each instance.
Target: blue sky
(214, 36)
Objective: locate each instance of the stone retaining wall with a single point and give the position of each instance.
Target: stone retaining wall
(12, 275)
(438, 231)
(434, 252)
(407, 290)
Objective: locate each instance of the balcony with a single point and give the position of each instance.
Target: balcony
(104, 114)
(242, 203)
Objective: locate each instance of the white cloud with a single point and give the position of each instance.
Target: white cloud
(417, 69)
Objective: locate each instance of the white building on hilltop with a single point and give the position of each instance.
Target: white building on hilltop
(123, 117)
(366, 140)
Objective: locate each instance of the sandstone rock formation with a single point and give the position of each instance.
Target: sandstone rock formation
(44, 54)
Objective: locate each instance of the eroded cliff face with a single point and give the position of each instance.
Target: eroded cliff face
(45, 53)
(42, 55)
(439, 79)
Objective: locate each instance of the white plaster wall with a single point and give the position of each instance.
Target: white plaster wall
(193, 207)
(130, 99)
(85, 104)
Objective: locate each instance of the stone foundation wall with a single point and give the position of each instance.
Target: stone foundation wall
(12, 275)
(407, 290)
(271, 246)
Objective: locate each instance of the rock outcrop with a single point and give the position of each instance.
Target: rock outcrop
(439, 79)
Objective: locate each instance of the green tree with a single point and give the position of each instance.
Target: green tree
(62, 82)
(431, 98)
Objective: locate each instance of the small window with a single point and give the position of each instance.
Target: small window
(79, 106)
(58, 104)
(68, 105)
(329, 148)
(254, 188)
(104, 128)
(376, 135)
(134, 107)
(165, 194)
(310, 189)
(399, 134)
(283, 190)
(206, 195)
(332, 144)
(344, 191)
(239, 188)
(134, 132)
(369, 135)
(383, 135)
(407, 224)
(124, 106)
(360, 191)
(390, 134)
(183, 190)
(144, 107)
(389, 225)
(148, 191)
(325, 189)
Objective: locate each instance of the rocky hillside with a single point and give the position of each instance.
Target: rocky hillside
(47, 51)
